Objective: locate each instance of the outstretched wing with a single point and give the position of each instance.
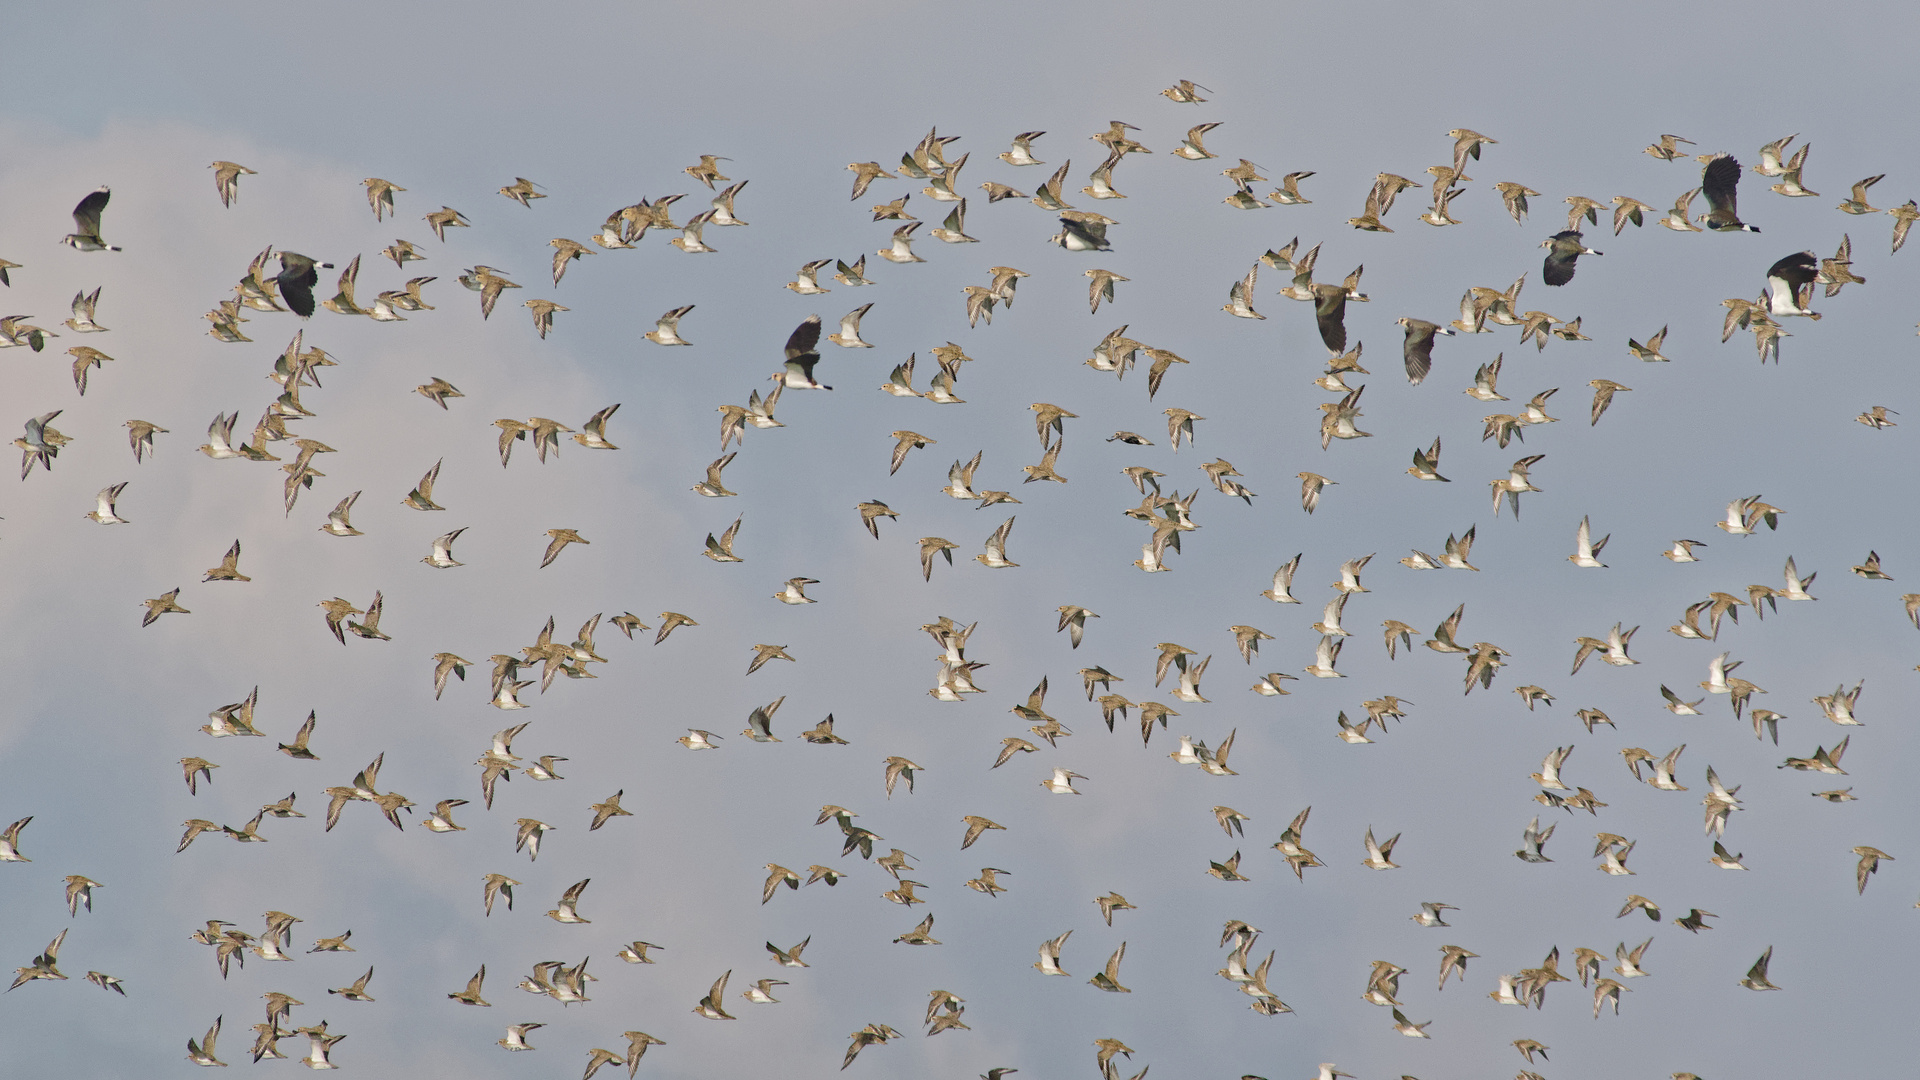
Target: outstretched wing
(1330, 311)
(1720, 183)
(1792, 273)
(805, 337)
(1558, 268)
(86, 216)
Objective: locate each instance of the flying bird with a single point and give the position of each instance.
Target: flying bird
(1720, 183)
(86, 222)
(1563, 251)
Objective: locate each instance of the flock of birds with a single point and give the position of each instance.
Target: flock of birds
(283, 287)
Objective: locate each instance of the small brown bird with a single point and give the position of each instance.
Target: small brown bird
(1695, 920)
(521, 191)
(440, 220)
(543, 312)
(865, 173)
(561, 538)
(708, 170)
(977, 825)
(900, 768)
(564, 252)
(1111, 903)
(1310, 487)
(1515, 197)
(764, 653)
(669, 622)
(471, 995)
(1603, 391)
(1876, 418)
(438, 391)
(1101, 287)
(380, 196)
(226, 179)
(1182, 93)
(1627, 208)
(140, 435)
(166, 604)
(1666, 150)
(1869, 865)
(229, 568)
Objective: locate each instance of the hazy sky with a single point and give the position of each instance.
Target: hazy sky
(605, 105)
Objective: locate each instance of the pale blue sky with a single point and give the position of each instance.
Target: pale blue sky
(605, 105)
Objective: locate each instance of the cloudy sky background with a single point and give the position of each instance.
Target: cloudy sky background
(605, 106)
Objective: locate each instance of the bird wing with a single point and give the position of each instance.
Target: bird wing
(1329, 311)
(86, 216)
(1720, 183)
(1418, 350)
